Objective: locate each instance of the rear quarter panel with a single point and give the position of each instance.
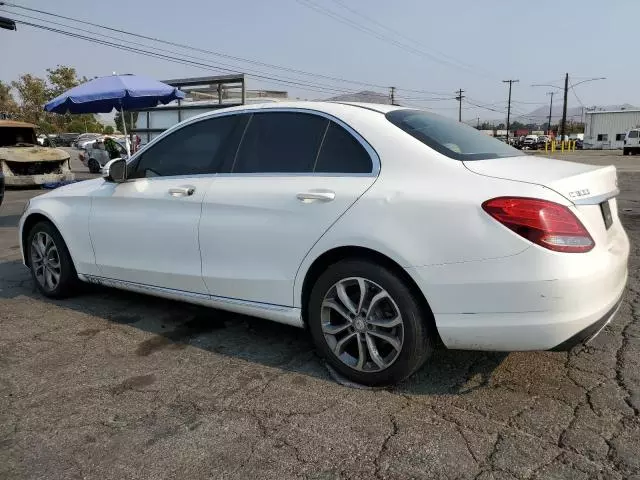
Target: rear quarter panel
(425, 209)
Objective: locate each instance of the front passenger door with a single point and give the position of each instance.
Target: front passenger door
(145, 230)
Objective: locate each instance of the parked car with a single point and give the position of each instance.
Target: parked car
(342, 218)
(530, 142)
(24, 162)
(632, 142)
(85, 139)
(95, 156)
(50, 140)
(66, 139)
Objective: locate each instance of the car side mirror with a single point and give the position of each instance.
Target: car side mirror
(115, 170)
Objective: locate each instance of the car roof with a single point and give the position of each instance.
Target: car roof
(16, 124)
(323, 106)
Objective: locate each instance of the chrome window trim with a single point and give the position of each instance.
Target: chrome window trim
(373, 155)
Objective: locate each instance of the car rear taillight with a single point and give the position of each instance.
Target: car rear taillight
(545, 223)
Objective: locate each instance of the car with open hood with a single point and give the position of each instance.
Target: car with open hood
(24, 162)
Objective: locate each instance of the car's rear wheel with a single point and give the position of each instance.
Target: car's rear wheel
(94, 166)
(625, 151)
(366, 322)
(50, 263)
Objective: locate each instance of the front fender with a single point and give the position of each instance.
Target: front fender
(70, 216)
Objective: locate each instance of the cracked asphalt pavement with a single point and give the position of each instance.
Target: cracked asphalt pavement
(113, 385)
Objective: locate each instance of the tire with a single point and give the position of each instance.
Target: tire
(413, 334)
(625, 151)
(55, 249)
(94, 166)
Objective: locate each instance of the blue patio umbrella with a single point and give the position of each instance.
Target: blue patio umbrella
(120, 92)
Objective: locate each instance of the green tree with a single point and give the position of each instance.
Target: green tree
(108, 130)
(33, 93)
(127, 119)
(8, 105)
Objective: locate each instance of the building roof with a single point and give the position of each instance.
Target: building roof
(16, 124)
(634, 110)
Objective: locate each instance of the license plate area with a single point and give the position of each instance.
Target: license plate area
(605, 208)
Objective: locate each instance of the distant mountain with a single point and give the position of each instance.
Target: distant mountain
(366, 96)
(541, 114)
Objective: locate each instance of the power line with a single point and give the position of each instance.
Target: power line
(308, 87)
(407, 48)
(400, 34)
(201, 50)
(220, 66)
(203, 63)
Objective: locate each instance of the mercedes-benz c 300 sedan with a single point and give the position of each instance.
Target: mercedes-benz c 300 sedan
(379, 228)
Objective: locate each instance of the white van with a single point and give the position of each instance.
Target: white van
(632, 142)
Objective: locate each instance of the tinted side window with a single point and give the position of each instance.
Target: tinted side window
(283, 142)
(633, 134)
(202, 147)
(342, 153)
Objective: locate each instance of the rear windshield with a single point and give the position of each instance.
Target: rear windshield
(453, 139)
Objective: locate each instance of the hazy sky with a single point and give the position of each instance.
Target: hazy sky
(444, 45)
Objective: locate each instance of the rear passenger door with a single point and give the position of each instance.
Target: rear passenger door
(295, 173)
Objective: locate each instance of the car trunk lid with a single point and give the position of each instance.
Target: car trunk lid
(591, 188)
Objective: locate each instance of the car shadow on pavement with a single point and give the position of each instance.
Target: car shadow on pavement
(176, 325)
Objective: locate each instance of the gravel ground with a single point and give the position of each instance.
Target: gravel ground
(113, 385)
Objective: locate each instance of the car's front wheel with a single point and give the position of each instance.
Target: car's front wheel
(366, 322)
(50, 263)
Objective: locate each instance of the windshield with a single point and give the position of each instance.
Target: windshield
(453, 139)
(11, 136)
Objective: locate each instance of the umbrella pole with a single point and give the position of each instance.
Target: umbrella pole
(124, 128)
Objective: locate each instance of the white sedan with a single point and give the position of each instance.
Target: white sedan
(379, 228)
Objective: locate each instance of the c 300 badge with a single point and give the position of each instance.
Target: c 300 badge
(579, 193)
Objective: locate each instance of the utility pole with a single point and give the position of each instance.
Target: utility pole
(550, 109)
(510, 82)
(478, 126)
(459, 98)
(392, 95)
(564, 107)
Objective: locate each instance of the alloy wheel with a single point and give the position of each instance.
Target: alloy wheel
(362, 324)
(45, 261)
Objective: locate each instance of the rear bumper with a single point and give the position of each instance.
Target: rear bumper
(536, 300)
(585, 335)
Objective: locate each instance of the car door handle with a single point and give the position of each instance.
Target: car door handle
(182, 191)
(308, 197)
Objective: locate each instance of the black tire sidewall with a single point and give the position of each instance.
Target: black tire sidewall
(68, 275)
(418, 340)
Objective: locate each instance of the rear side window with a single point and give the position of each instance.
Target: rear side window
(342, 153)
(280, 142)
(449, 137)
(633, 134)
(199, 148)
